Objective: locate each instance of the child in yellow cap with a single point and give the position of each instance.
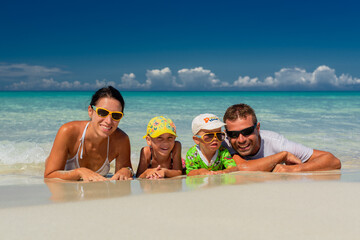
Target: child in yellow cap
(162, 157)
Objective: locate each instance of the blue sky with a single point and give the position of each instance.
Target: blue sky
(180, 45)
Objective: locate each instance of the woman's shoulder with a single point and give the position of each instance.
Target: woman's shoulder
(73, 127)
(120, 135)
(70, 132)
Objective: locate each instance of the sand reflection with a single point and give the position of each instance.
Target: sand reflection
(64, 191)
(258, 177)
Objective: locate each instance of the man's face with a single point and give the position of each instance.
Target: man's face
(244, 145)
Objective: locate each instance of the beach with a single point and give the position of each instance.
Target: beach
(251, 205)
(318, 205)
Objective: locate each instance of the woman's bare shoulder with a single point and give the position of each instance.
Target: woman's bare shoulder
(72, 129)
(120, 135)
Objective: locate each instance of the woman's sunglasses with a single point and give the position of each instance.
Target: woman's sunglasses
(209, 137)
(102, 112)
(245, 132)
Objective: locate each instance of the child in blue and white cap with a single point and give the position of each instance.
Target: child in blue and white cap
(208, 157)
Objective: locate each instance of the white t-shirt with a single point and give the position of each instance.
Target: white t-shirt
(272, 143)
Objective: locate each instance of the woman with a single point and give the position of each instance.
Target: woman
(84, 149)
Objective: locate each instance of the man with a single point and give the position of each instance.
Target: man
(268, 151)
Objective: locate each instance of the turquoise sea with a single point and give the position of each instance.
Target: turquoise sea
(29, 121)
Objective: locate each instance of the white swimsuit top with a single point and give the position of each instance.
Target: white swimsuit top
(73, 162)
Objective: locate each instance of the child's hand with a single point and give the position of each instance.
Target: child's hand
(156, 173)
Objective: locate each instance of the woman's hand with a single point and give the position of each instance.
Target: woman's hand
(88, 175)
(122, 174)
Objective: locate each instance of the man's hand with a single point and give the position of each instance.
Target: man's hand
(291, 159)
(287, 168)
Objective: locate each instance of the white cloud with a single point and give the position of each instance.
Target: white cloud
(160, 79)
(199, 79)
(247, 82)
(163, 79)
(347, 80)
(27, 77)
(128, 81)
(322, 78)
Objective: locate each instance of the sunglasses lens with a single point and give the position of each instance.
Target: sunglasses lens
(102, 112)
(208, 137)
(245, 132)
(233, 134)
(116, 116)
(220, 136)
(248, 131)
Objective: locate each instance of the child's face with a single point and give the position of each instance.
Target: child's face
(162, 144)
(211, 146)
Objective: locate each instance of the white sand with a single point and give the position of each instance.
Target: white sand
(270, 210)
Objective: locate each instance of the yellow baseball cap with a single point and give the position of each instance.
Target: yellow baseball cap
(160, 125)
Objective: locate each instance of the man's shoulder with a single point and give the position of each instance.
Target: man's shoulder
(268, 133)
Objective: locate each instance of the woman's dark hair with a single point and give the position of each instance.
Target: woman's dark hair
(110, 92)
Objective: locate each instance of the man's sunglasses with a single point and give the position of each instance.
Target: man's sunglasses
(209, 137)
(102, 112)
(245, 132)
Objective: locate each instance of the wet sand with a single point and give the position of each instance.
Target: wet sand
(322, 205)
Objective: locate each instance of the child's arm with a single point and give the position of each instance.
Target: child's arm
(228, 162)
(177, 164)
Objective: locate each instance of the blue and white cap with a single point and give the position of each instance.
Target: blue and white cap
(206, 121)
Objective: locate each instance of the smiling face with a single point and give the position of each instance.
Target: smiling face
(105, 126)
(163, 144)
(244, 145)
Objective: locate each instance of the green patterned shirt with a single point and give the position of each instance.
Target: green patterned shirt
(223, 160)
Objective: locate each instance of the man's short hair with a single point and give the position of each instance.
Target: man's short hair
(241, 110)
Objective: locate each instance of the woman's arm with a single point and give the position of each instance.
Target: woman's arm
(55, 163)
(123, 162)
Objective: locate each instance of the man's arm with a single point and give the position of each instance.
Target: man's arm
(319, 161)
(266, 164)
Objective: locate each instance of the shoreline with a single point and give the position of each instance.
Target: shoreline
(322, 209)
(24, 190)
